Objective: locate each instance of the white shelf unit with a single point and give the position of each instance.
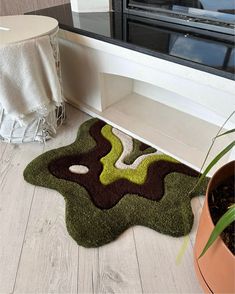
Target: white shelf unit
(174, 108)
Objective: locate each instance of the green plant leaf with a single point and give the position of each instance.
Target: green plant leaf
(223, 223)
(214, 161)
(213, 141)
(225, 133)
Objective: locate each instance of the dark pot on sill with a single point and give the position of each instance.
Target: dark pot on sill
(216, 268)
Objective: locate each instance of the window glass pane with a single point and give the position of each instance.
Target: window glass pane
(197, 51)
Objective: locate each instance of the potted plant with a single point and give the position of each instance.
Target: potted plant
(214, 258)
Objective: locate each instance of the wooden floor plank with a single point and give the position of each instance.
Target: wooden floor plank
(15, 202)
(112, 268)
(88, 270)
(118, 266)
(3, 147)
(197, 204)
(49, 259)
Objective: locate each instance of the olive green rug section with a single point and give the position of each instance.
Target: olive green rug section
(91, 226)
(110, 173)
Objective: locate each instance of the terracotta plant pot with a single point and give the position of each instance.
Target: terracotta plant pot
(216, 269)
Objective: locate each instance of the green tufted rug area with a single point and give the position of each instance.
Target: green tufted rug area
(111, 182)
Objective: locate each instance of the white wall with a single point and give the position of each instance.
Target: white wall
(98, 24)
(90, 5)
(12, 7)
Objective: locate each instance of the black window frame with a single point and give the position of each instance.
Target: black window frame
(181, 18)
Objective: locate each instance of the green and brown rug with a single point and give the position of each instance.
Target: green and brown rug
(111, 182)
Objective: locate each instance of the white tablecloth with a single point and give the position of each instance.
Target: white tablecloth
(28, 81)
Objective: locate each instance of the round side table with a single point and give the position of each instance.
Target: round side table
(17, 35)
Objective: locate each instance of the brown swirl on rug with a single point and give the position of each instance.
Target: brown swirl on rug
(107, 196)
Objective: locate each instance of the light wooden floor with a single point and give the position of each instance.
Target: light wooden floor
(38, 256)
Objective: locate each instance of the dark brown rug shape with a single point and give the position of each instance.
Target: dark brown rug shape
(106, 196)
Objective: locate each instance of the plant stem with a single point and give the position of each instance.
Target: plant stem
(213, 141)
(209, 150)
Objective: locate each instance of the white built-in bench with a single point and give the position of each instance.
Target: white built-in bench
(172, 107)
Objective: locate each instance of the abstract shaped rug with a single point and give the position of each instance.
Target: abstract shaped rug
(111, 182)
